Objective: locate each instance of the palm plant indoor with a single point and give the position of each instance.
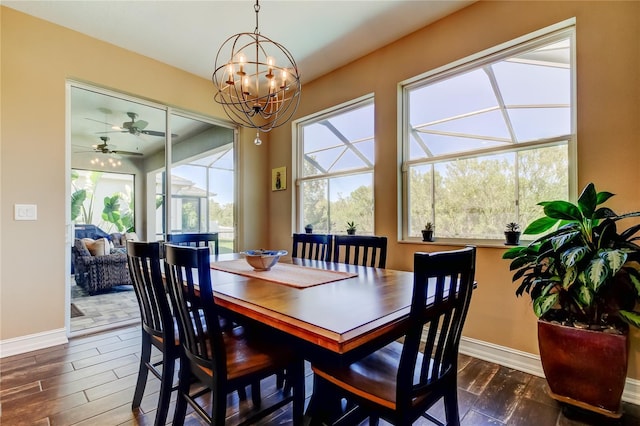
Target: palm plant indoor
(582, 273)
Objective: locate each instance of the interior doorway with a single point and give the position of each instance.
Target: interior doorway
(113, 135)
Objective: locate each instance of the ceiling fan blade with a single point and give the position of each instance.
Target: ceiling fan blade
(127, 153)
(98, 121)
(152, 132)
(141, 124)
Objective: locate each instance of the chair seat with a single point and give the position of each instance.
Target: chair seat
(249, 356)
(373, 377)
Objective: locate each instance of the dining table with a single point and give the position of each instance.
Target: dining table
(327, 309)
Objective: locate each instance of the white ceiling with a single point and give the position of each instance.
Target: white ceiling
(321, 35)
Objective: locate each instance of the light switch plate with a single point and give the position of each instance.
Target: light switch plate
(26, 212)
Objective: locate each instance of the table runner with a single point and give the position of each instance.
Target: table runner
(284, 273)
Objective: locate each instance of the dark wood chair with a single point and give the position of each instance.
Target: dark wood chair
(196, 240)
(365, 250)
(400, 382)
(157, 323)
(312, 246)
(219, 360)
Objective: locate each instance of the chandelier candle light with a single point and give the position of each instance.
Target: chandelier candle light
(257, 81)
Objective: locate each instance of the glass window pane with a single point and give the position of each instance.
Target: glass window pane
(331, 149)
(351, 199)
(485, 113)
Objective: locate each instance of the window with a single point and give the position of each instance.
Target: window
(103, 199)
(335, 160)
(485, 141)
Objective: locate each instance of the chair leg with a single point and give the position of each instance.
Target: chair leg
(255, 394)
(166, 385)
(295, 380)
(242, 393)
(219, 409)
(143, 371)
(184, 383)
(451, 406)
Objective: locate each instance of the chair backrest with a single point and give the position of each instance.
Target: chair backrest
(312, 246)
(189, 281)
(196, 240)
(442, 289)
(144, 266)
(360, 250)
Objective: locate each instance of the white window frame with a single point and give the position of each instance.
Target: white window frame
(298, 161)
(562, 30)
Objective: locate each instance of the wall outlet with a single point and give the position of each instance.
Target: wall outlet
(26, 212)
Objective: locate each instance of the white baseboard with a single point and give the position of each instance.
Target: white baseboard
(528, 363)
(32, 342)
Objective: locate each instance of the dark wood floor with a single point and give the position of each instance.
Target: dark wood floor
(90, 381)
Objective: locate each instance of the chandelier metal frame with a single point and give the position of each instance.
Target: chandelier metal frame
(257, 81)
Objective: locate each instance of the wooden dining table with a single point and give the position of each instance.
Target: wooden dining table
(341, 318)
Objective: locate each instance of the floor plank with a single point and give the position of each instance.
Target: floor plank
(91, 380)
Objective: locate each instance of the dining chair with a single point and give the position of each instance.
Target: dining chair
(365, 250)
(221, 360)
(158, 328)
(196, 240)
(401, 381)
(312, 246)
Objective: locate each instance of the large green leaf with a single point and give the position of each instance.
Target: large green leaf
(584, 295)
(570, 276)
(560, 240)
(542, 304)
(513, 252)
(588, 200)
(614, 258)
(603, 196)
(573, 255)
(77, 199)
(539, 226)
(111, 211)
(634, 276)
(630, 317)
(597, 273)
(562, 210)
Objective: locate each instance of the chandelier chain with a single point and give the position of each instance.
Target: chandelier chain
(256, 7)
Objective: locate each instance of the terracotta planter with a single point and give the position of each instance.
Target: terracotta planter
(584, 368)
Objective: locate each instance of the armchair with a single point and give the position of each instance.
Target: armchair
(101, 272)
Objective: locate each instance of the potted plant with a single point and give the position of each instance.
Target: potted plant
(351, 228)
(427, 232)
(308, 228)
(512, 234)
(583, 275)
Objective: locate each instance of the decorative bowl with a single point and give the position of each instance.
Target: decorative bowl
(263, 260)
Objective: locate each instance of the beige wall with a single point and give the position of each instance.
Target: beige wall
(37, 59)
(608, 68)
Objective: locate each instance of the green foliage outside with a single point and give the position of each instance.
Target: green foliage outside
(117, 211)
(475, 197)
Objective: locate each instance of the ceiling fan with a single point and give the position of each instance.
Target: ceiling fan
(105, 149)
(135, 127)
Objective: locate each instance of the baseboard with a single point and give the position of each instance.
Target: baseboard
(528, 363)
(32, 342)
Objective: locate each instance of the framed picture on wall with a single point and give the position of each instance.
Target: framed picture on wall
(279, 179)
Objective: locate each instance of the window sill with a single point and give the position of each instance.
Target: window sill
(455, 242)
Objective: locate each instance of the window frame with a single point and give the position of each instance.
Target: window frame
(562, 30)
(297, 161)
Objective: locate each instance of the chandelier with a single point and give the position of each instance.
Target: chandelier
(257, 81)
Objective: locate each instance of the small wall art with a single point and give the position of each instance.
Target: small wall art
(279, 179)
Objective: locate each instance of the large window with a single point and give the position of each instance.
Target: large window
(486, 140)
(335, 157)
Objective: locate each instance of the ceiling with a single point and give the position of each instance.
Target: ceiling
(321, 35)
